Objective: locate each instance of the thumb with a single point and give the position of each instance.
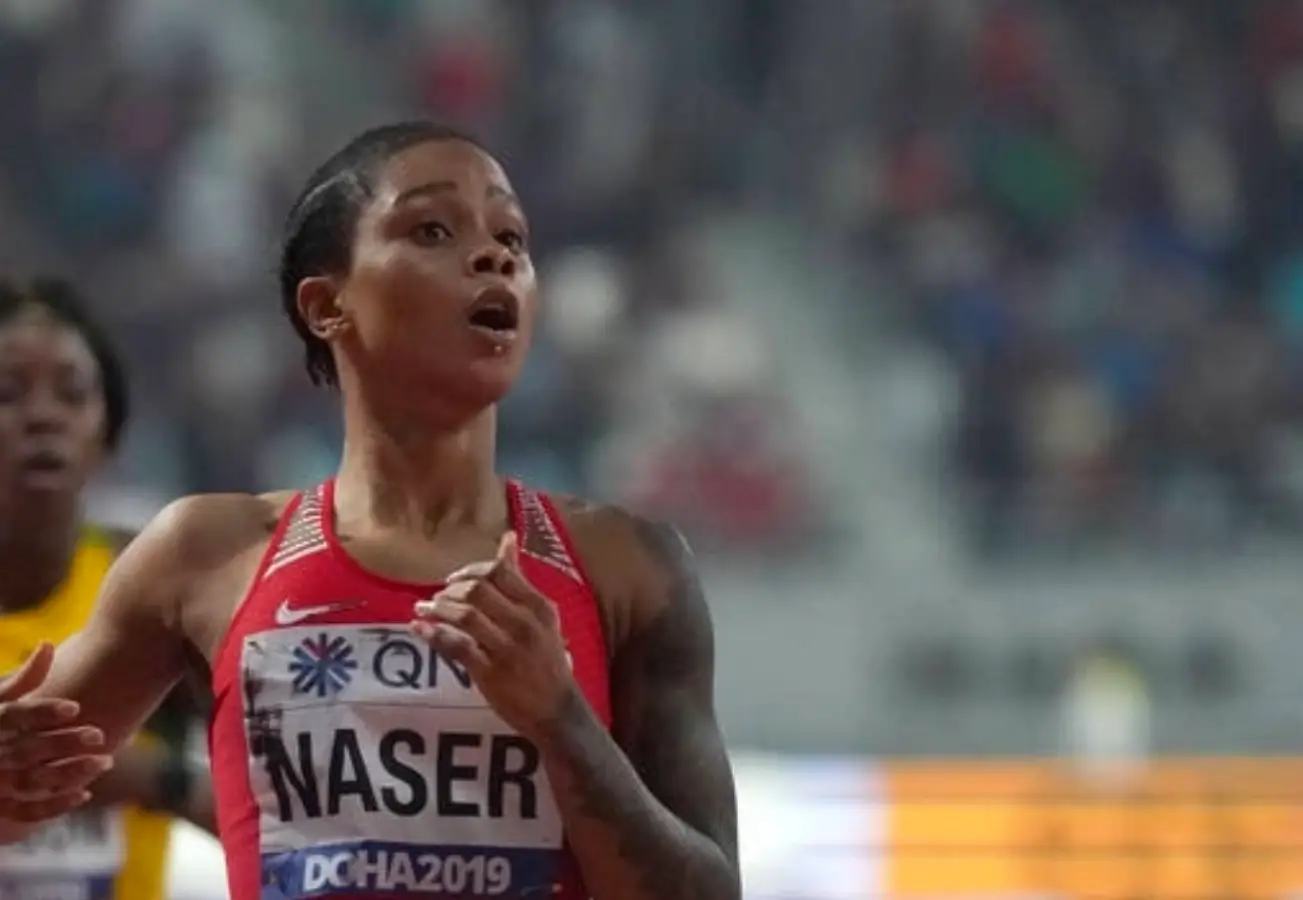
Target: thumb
(29, 677)
(508, 550)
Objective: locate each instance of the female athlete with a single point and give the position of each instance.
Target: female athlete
(63, 404)
(428, 679)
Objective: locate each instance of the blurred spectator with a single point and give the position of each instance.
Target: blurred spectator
(1094, 284)
(152, 145)
(1092, 212)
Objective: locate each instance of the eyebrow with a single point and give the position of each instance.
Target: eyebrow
(435, 188)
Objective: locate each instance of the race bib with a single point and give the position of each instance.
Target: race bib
(378, 767)
(77, 857)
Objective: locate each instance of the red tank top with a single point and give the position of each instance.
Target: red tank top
(349, 760)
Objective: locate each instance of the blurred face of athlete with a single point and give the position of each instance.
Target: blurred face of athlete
(441, 295)
(52, 413)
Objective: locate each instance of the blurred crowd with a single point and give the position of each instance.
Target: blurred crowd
(1091, 209)
(152, 146)
(1094, 209)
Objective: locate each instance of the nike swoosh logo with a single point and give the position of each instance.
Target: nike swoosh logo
(287, 615)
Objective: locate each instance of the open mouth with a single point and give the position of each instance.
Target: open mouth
(44, 461)
(496, 310)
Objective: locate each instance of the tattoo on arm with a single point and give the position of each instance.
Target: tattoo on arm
(666, 716)
(672, 829)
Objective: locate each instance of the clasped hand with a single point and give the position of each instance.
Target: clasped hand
(507, 636)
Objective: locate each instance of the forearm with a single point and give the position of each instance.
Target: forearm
(133, 780)
(155, 779)
(629, 846)
(199, 808)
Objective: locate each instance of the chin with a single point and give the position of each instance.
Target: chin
(491, 381)
(501, 370)
(474, 388)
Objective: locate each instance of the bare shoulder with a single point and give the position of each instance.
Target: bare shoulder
(181, 550)
(116, 537)
(194, 537)
(200, 531)
(612, 537)
(641, 568)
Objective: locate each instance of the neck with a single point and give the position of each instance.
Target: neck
(419, 479)
(36, 557)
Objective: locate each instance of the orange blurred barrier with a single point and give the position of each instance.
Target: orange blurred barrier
(1184, 830)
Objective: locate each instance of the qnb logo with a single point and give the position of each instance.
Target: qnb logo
(322, 665)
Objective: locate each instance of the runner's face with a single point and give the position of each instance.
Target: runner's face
(442, 291)
(52, 412)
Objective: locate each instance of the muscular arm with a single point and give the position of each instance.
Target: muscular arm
(160, 780)
(122, 664)
(130, 653)
(650, 811)
(156, 773)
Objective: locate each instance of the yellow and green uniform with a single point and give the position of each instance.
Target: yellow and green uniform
(92, 854)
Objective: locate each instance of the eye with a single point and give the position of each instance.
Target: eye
(513, 240)
(75, 392)
(431, 233)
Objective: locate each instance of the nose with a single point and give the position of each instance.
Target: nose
(43, 414)
(491, 259)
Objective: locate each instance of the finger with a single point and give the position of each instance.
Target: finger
(472, 571)
(43, 810)
(507, 556)
(35, 715)
(488, 603)
(479, 594)
(30, 675)
(26, 750)
(509, 550)
(474, 622)
(512, 584)
(54, 778)
(454, 644)
(459, 591)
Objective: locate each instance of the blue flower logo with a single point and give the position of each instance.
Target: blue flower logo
(322, 665)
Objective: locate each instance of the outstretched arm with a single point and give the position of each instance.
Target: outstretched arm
(154, 771)
(113, 673)
(160, 779)
(650, 812)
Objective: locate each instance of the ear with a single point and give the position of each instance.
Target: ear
(321, 305)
